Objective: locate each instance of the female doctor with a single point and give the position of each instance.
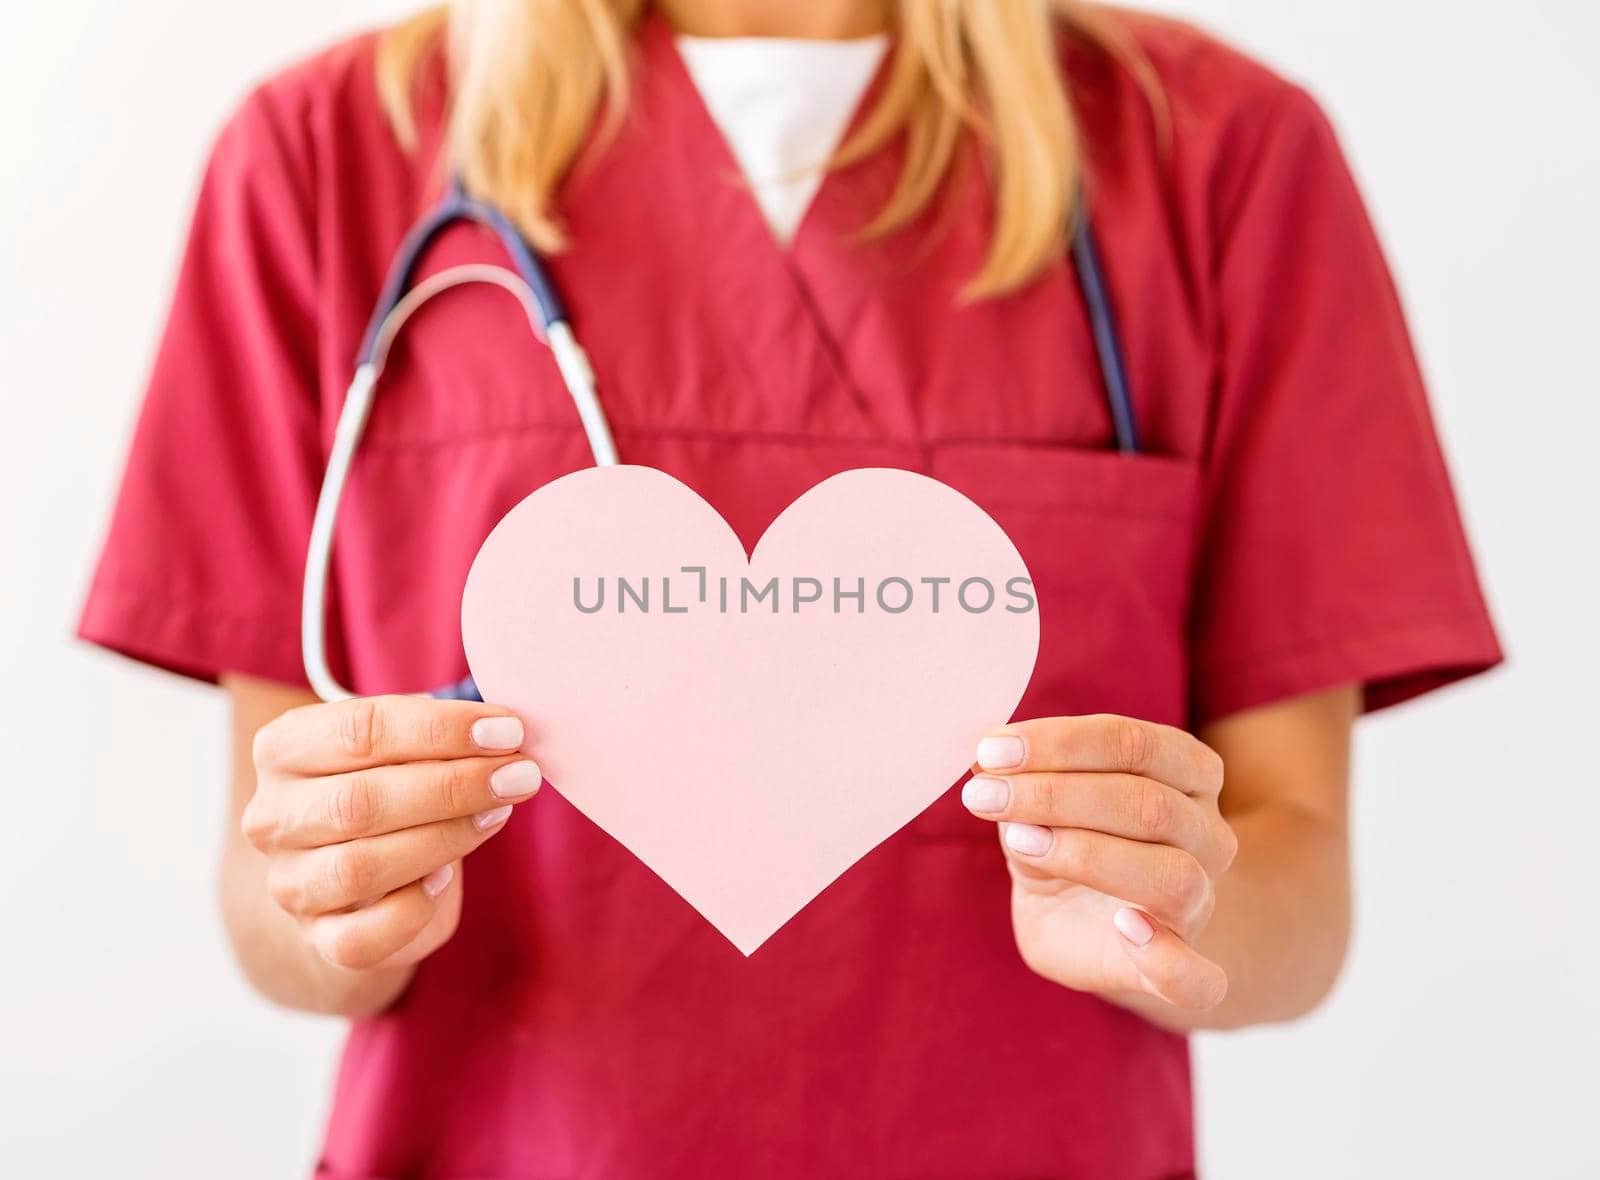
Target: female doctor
(797, 239)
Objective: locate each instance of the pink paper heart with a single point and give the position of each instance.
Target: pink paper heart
(750, 757)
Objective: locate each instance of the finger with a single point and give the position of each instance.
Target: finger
(338, 876)
(364, 938)
(1168, 967)
(378, 731)
(1104, 742)
(1124, 805)
(308, 813)
(1167, 881)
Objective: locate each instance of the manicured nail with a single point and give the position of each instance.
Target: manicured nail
(1000, 753)
(497, 733)
(515, 779)
(984, 794)
(492, 818)
(1028, 839)
(435, 882)
(1133, 926)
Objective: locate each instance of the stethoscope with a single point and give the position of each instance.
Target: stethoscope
(530, 283)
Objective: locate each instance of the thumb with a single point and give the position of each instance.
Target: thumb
(1168, 967)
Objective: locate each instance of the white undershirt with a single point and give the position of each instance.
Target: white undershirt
(783, 106)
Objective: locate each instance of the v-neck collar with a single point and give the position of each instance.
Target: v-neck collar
(757, 281)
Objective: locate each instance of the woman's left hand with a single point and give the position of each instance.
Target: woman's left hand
(1111, 830)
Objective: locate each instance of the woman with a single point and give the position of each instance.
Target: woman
(1282, 553)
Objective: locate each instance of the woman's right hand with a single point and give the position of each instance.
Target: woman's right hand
(364, 809)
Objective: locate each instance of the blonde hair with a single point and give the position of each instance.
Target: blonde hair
(530, 78)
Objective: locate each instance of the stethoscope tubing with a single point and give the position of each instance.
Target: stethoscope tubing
(1107, 339)
(458, 206)
(530, 283)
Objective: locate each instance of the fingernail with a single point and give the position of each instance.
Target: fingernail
(1028, 839)
(492, 818)
(986, 794)
(515, 779)
(436, 882)
(1133, 926)
(1000, 753)
(497, 733)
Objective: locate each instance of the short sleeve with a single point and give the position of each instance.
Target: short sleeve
(200, 570)
(1333, 551)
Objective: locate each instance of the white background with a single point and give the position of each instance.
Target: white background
(1464, 1038)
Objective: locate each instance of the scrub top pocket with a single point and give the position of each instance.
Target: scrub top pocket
(1109, 541)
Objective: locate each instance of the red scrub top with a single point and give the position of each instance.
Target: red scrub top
(1292, 527)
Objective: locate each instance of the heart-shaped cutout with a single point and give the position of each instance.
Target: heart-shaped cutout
(750, 728)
